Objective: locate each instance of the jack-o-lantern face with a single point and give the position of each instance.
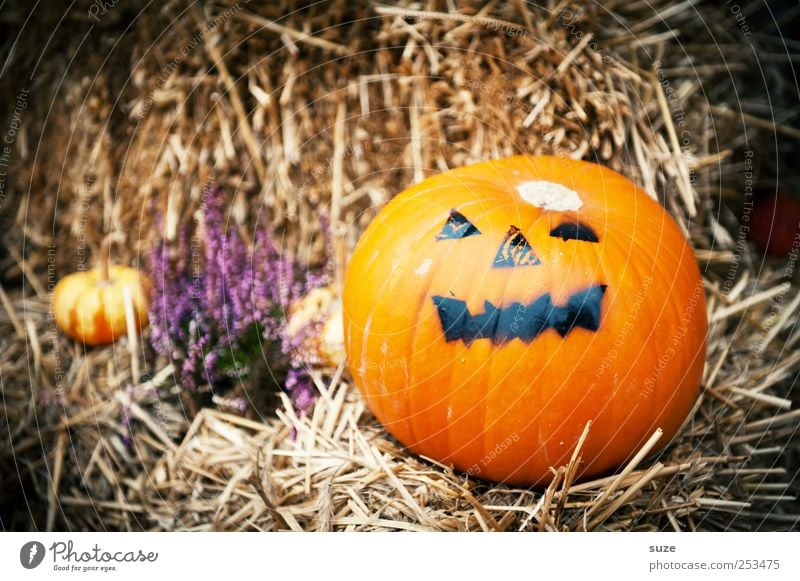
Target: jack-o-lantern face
(518, 320)
(493, 310)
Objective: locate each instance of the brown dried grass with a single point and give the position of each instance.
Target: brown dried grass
(337, 107)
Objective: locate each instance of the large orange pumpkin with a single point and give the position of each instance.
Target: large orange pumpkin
(492, 310)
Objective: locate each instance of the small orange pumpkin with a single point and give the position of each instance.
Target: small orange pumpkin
(491, 311)
(90, 306)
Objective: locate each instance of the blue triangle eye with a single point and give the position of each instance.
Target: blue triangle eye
(574, 231)
(457, 226)
(515, 250)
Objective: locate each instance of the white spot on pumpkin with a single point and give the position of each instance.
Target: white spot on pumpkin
(550, 196)
(424, 267)
(385, 348)
(449, 413)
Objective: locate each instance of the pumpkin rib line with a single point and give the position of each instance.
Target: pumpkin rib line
(628, 250)
(493, 361)
(648, 312)
(543, 447)
(624, 244)
(366, 330)
(429, 277)
(423, 299)
(483, 403)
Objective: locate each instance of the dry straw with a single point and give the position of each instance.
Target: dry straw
(338, 106)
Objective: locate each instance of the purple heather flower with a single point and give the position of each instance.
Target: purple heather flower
(301, 389)
(195, 369)
(234, 291)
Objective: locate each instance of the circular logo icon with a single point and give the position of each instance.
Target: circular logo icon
(31, 554)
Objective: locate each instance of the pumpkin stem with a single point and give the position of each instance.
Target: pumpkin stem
(105, 254)
(550, 196)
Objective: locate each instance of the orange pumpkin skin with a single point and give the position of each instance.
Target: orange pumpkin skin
(496, 405)
(92, 311)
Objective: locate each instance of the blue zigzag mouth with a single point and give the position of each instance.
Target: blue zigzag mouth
(520, 321)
